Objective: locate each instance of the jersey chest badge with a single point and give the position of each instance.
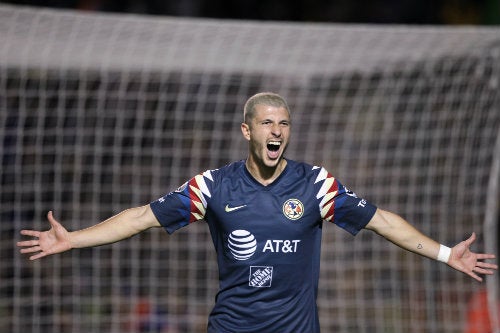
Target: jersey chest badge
(293, 209)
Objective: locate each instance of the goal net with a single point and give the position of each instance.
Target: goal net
(102, 112)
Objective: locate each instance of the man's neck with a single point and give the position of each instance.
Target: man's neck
(263, 174)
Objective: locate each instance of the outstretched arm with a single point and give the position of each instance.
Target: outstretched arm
(57, 239)
(395, 229)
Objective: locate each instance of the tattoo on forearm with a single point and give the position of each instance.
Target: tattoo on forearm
(419, 246)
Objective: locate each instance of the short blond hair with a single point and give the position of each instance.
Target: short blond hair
(262, 98)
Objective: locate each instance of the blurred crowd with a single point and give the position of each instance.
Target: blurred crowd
(457, 12)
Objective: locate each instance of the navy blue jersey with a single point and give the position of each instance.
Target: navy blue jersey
(267, 240)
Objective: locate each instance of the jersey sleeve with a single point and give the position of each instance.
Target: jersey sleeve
(185, 205)
(341, 206)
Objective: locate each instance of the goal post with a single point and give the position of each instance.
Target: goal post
(102, 112)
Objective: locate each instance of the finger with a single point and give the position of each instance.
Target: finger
(483, 271)
(38, 256)
(486, 265)
(475, 276)
(27, 243)
(485, 256)
(471, 239)
(32, 233)
(31, 249)
(50, 216)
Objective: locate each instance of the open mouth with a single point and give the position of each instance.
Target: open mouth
(273, 146)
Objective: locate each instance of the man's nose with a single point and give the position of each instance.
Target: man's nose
(276, 130)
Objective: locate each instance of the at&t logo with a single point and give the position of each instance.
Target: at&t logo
(242, 244)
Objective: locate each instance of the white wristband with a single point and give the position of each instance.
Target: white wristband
(444, 253)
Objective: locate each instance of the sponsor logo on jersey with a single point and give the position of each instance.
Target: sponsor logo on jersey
(293, 209)
(230, 209)
(242, 244)
(260, 276)
(281, 245)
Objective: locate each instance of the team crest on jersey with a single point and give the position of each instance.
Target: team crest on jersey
(293, 209)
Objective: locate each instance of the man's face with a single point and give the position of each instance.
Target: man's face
(268, 134)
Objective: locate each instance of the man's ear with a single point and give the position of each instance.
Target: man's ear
(245, 129)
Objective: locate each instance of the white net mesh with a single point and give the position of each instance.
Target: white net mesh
(99, 113)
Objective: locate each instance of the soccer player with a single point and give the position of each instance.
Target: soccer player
(265, 216)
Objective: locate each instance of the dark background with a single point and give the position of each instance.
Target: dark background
(445, 12)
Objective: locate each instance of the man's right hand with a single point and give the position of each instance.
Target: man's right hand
(54, 240)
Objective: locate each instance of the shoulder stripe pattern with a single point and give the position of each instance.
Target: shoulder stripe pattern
(198, 190)
(326, 194)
